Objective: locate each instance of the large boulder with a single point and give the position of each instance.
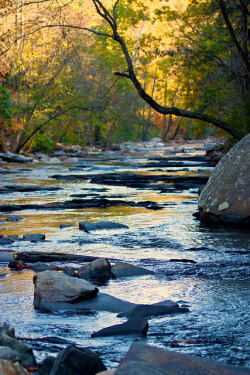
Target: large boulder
(55, 286)
(99, 268)
(226, 197)
(123, 269)
(77, 361)
(148, 360)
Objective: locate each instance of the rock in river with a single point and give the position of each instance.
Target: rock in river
(226, 197)
(88, 227)
(55, 286)
(99, 268)
(148, 360)
(134, 326)
(123, 269)
(77, 361)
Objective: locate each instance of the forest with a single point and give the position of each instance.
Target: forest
(98, 73)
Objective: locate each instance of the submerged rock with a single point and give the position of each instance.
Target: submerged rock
(77, 361)
(148, 360)
(226, 197)
(34, 237)
(123, 269)
(14, 218)
(55, 286)
(160, 308)
(133, 326)
(88, 227)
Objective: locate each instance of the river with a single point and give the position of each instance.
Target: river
(213, 282)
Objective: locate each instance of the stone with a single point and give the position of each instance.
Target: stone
(34, 237)
(156, 309)
(63, 226)
(134, 326)
(70, 271)
(99, 268)
(7, 328)
(14, 218)
(88, 227)
(148, 360)
(5, 240)
(123, 269)
(226, 197)
(23, 351)
(46, 365)
(55, 286)
(10, 368)
(14, 158)
(6, 256)
(108, 372)
(9, 354)
(77, 361)
(41, 267)
(71, 160)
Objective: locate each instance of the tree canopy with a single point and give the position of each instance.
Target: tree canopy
(71, 71)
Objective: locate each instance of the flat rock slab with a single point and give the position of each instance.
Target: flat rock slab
(123, 269)
(38, 256)
(134, 326)
(88, 227)
(156, 309)
(147, 360)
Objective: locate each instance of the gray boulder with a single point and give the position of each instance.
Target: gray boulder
(77, 361)
(148, 360)
(7, 328)
(134, 326)
(99, 268)
(55, 286)
(123, 269)
(226, 197)
(14, 158)
(5, 240)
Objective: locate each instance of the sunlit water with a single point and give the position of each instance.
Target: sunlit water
(216, 287)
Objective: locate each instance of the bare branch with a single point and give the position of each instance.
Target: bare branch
(114, 9)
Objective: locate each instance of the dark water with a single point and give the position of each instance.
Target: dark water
(216, 287)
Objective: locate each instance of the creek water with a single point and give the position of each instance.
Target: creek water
(215, 287)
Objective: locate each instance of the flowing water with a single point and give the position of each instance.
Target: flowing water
(215, 287)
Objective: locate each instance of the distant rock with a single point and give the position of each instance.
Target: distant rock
(134, 326)
(148, 360)
(226, 197)
(77, 361)
(15, 158)
(55, 286)
(34, 237)
(88, 227)
(63, 226)
(14, 218)
(5, 240)
(123, 269)
(71, 160)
